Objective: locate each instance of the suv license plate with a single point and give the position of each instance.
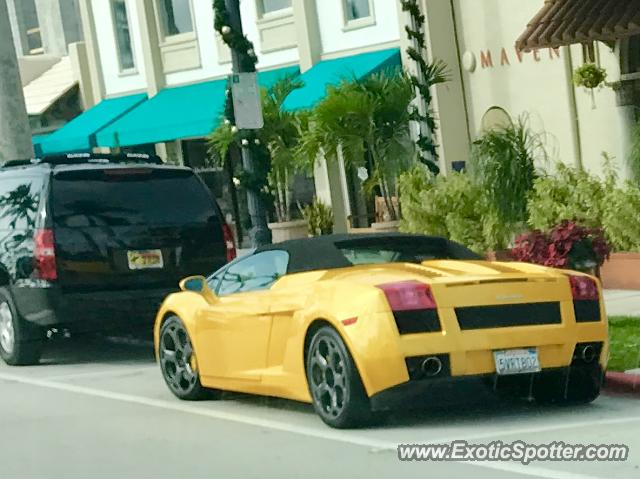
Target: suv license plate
(516, 361)
(145, 259)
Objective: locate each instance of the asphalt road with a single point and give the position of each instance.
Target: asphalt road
(99, 409)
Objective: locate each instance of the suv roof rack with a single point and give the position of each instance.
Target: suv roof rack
(81, 158)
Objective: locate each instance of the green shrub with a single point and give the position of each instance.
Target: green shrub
(450, 206)
(621, 217)
(569, 194)
(319, 218)
(503, 162)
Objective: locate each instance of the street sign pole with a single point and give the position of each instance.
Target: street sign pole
(259, 233)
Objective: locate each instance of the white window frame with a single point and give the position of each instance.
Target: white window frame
(123, 71)
(359, 22)
(179, 37)
(283, 12)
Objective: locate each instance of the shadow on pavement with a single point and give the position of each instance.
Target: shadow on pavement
(92, 348)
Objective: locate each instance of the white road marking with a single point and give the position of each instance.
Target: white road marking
(325, 433)
(109, 372)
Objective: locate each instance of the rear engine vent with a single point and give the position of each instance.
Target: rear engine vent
(508, 315)
(417, 321)
(587, 310)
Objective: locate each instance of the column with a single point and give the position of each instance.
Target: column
(97, 92)
(15, 132)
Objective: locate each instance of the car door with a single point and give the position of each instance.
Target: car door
(233, 334)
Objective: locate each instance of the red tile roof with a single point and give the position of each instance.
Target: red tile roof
(564, 22)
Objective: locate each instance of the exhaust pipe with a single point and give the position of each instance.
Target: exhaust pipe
(588, 354)
(432, 366)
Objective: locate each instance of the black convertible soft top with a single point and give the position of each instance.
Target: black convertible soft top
(326, 252)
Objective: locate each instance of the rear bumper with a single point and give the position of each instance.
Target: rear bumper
(92, 311)
(438, 391)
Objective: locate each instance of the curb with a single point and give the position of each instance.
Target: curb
(622, 383)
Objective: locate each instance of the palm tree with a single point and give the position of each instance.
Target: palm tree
(280, 136)
(365, 118)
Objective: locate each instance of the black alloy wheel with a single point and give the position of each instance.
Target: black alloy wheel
(336, 389)
(178, 362)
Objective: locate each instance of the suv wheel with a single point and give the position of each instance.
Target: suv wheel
(21, 343)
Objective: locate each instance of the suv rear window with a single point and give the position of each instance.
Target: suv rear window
(130, 196)
(19, 200)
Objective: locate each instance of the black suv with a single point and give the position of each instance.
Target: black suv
(94, 242)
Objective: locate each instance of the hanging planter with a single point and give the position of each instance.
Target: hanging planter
(590, 76)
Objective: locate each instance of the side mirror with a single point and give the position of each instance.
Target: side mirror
(198, 284)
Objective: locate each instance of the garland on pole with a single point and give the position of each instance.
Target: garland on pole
(240, 44)
(427, 75)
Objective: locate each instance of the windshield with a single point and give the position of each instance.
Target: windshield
(130, 196)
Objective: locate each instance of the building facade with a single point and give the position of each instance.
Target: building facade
(154, 74)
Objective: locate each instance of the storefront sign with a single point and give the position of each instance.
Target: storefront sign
(506, 57)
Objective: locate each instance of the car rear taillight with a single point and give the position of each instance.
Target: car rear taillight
(583, 288)
(45, 255)
(586, 299)
(408, 295)
(230, 245)
(413, 305)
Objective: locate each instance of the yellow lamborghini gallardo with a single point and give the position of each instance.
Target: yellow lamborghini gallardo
(361, 323)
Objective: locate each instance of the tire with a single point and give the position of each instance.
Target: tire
(21, 343)
(334, 383)
(178, 362)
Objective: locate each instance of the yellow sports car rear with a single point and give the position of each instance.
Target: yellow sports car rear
(361, 323)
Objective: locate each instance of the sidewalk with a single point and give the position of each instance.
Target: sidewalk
(622, 302)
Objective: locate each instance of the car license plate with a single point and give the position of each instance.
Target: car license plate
(516, 361)
(145, 259)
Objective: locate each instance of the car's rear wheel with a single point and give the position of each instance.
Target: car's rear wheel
(336, 389)
(21, 343)
(178, 361)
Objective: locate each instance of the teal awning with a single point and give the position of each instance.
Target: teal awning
(190, 111)
(332, 72)
(79, 133)
(37, 143)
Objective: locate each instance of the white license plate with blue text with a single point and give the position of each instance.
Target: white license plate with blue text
(516, 361)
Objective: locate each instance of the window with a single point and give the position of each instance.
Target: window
(176, 17)
(19, 201)
(130, 197)
(123, 35)
(270, 6)
(401, 250)
(254, 273)
(357, 9)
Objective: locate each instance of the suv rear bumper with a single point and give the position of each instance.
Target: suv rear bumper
(91, 311)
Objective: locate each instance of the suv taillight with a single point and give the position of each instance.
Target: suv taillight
(583, 288)
(45, 255)
(230, 245)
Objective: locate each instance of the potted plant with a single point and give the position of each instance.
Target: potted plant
(281, 134)
(567, 245)
(366, 123)
(276, 142)
(590, 76)
(319, 218)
